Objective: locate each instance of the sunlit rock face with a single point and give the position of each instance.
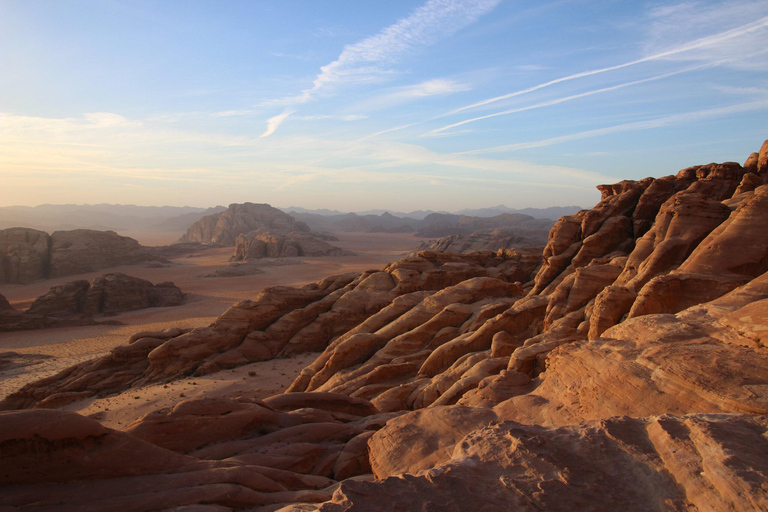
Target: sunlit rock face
(623, 367)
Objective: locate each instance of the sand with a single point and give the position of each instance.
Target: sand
(42, 353)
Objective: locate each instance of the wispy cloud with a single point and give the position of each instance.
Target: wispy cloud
(370, 59)
(697, 44)
(685, 118)
(398, 95)
(274, 122)
(348, 117)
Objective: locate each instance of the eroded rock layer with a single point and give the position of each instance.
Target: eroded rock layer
(624, 367)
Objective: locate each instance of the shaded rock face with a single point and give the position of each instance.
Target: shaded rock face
(268, 244)
(5, 305)
(86, 250)
(28, 255)
(77, 302)
(223, 228)
(24, 255)
(109, 294)
(627, 368)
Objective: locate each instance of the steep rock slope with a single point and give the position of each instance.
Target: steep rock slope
(624, 368)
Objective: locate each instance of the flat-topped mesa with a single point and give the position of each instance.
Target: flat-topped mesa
(223, 228)
(28, 255)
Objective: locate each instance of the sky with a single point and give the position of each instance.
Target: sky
(356, 105)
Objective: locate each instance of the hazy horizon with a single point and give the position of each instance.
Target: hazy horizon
(438, 105)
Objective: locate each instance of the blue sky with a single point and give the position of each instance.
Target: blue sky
(354, 105)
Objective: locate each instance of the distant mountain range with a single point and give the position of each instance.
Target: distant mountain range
(553, 212)
(50, 217)
(112, 217)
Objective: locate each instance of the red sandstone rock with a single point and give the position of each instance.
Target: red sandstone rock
(525, 370)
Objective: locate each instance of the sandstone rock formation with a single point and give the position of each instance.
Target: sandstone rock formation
(77, 302)
(24, 255)
(28, 255)
(268, 244)
(223, 228)
(260, 231)
(626, 368)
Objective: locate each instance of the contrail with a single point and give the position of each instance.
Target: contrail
(569, 98)
(693, 45)
(628, 127)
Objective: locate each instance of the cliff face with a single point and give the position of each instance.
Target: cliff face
(28, 255)
(625, 367)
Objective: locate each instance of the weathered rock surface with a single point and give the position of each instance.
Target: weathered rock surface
(625, 369)
(696, 462)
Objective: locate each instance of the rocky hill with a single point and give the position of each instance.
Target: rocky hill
(28, 255)
(624, 368)
(77, 302)
(260, 231)
(223, 228)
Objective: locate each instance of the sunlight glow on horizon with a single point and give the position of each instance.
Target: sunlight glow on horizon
(421, 104)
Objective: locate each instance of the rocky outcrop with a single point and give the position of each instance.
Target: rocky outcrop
(259, 456)
(77, 302)
(626, 368)
(484, 241)
(269, 244)
(28, 255)
(86, 250)
(284, 321)
(696, 462)
(223, 228)
(260, 231)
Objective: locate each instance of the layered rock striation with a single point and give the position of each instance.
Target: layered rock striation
(625, 366)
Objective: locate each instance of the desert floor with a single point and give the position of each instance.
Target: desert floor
(41, 353)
